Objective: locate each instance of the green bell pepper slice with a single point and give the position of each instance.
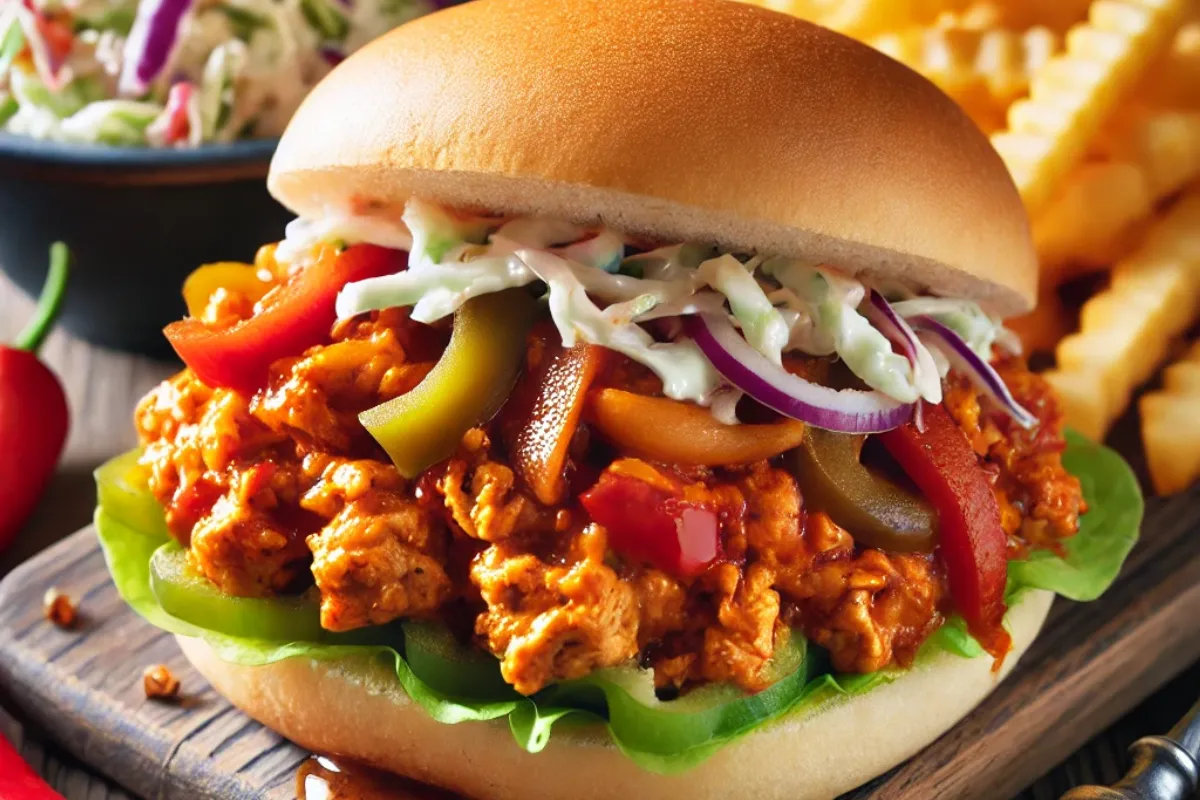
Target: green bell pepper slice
(189, 596)
(469, 384)
(122, 493)
(702, 720)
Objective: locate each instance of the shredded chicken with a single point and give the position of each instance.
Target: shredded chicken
(378, 560)
(275, 492)
(493, 509)
(548, 622)
(738, 647)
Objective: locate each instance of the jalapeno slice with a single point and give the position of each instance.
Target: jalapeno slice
(875, 510)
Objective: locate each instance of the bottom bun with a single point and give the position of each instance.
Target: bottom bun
(356, 708)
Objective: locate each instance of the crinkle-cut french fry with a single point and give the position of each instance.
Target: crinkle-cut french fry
(1081, 397)
(1082, 227)
(1183, 377)
(1171, 436)
(1171, 425)
(996, 62)
(1126, 330)
(1173, 80)
(1147, 156)
(1057, 15)
(1164, 143)
(979, 16)
(1074, 92)
(862, 18)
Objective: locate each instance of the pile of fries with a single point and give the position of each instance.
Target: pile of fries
(1094, 105)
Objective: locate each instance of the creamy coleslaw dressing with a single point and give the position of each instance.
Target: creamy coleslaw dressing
(596, 294)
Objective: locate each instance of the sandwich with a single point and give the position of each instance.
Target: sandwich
(628, 412)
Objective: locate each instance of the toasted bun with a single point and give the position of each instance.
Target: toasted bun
(679, 119)
(357, 709)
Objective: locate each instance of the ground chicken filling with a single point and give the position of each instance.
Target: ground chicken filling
(273, 492)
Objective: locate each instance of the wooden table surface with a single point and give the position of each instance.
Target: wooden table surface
(103, 386)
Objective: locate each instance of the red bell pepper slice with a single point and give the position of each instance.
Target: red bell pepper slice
(648, 523)
(544, 413)
(292, 318)
(972, 542)
(18, 781)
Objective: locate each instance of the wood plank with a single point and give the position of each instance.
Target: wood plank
(1092, 664)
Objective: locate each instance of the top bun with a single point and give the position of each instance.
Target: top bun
(678, 119)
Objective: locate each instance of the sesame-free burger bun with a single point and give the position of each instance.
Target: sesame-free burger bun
(678, 119)
(357, 708)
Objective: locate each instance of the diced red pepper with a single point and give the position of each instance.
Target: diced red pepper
(292, 317)
(648, 523)
(971, 540)
(178, 124)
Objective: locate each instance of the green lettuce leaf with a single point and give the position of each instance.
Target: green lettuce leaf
(660, 736)
(455, 684)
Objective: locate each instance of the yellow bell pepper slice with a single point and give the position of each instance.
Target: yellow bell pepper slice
(667, 430)
(232, 276)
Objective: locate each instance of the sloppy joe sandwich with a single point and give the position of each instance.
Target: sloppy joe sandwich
(627, 413)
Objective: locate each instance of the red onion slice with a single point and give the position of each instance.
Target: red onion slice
(332, 55)
(885, 319)
(845, 411)
(968, 362)
(150, 43)
(891, 325)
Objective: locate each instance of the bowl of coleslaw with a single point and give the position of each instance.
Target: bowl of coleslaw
(140, 132)
(174, 73)
(136, 219)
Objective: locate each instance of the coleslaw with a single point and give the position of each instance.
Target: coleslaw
(600, 291)
(174, 73)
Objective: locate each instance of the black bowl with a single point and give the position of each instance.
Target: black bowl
(137, 221)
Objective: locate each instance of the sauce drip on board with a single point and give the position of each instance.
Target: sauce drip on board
(322, 778)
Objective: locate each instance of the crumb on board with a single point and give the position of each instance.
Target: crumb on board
(159, 683)
(59, 609)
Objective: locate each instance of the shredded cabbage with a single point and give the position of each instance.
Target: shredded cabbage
(303, 236)
(118, 122)
(596, 295)
(963, 317)
(761, 323)
(685, 372)
(832, 301)
(254, 60)
(435, 232)
(434, 290)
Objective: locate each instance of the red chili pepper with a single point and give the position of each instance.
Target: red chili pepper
(647, 523)
(178, 124)
(33, 409)
(972, 543)
(293, 317)
(18, 781)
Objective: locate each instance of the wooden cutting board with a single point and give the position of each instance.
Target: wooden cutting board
(1091, 664)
